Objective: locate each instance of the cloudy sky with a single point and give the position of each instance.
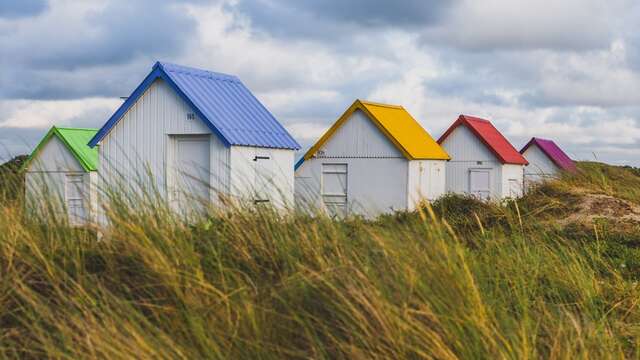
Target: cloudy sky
(563, 69)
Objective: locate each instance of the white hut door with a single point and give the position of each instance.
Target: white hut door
(264, 182)
(192, 177)
(334, 188)
(74, 197)
(479, 183)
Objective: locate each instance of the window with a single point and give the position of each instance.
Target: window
(74, 197)
(479, 183)
(334, 188)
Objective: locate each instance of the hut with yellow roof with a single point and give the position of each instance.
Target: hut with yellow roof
(376, 158)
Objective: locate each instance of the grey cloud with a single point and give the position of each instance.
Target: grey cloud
(18, 141)
(121, 32)
(92, 56)
(469, 25)
(22, 8)
(57, 84)
(330, 19)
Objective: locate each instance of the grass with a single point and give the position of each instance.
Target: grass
(621, 182)
(460, 279)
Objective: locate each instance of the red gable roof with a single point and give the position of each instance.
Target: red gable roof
(491, 137)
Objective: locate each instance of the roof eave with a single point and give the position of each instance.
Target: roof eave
(54, 131)
(157, 72)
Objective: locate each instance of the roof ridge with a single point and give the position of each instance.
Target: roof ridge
(75, 128)
(373, 103)
(474, 118)
(476, 125)
(171, 67)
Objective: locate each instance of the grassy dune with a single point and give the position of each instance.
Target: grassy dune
(458, 279)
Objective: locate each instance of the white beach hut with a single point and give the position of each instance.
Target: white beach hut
(61, 175)
(375, 158)
(546, 160)
(200, 135)
(483, 162)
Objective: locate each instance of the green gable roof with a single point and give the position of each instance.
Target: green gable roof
(76, 140)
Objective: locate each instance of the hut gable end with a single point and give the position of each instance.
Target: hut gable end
(54, 157)
(539, 162)
(359, 137)
(462, 145)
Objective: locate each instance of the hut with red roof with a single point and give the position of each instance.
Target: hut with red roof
(546, 160)
(483, 162)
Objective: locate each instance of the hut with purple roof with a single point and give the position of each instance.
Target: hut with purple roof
(546, 160)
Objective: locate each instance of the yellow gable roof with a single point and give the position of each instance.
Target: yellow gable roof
(398, 125)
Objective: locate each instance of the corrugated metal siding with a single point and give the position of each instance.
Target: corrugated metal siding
(45, 179)
(55, 156)
(466, 150)
(45, 193)
(539, 162)
(512, 172)
(426, 180)
(358, 137)
(141, 140)
(276, 172)
(231, 108)
(457, 175)
(375, 185)
(462, 145)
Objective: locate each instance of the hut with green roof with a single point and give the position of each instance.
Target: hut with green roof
(61, 173)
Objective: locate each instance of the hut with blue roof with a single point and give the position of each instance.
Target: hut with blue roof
(198, 137)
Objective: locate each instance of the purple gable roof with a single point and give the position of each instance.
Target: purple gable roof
(553, 152)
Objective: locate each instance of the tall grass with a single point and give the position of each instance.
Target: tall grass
(460, 279)
(622, 182)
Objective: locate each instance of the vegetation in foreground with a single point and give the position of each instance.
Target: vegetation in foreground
(553, 275)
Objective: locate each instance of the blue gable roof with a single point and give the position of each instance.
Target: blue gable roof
(222, 101)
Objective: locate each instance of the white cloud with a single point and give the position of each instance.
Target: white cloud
(45, 113)
(526, 24)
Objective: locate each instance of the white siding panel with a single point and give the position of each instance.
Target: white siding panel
(457, 175)
(426, 180)
(463, 145)
(43, 189)
(251, 173)
(512, 180)
(359, 137)
(375, 185)
(139, 142)
(540, 166)
(468, 152)
(45, 181)
(55, 156)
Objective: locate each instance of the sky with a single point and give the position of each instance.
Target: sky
(568, 70)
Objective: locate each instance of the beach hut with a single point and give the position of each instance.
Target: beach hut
(483, 163)
(375, 158)
(546, 160)
(198, 137)
(60, 175)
